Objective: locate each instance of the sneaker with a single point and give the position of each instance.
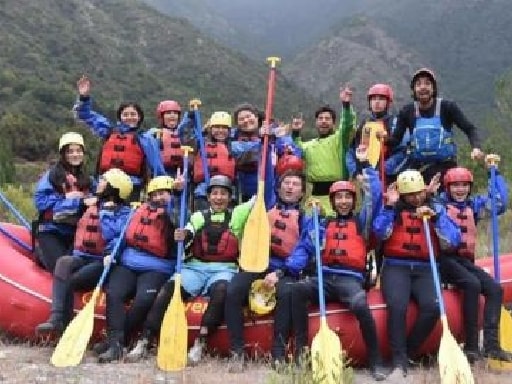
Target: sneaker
(112, 354)
(196, 352)
(397, 375)
(236, 363)
(139, 352)
(278, 363)
(498, 354)
(379, 372)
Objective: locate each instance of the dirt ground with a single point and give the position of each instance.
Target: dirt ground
(30, 364)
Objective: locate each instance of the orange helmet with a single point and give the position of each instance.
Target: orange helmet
(458, 174)
(339, 186)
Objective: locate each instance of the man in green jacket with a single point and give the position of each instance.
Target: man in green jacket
(325, 155)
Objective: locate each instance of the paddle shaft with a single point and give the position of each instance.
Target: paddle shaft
(15, 239)
(200, 140)
(495, 228)
(321, 297)
(15, 212)
(271, 86)
(433, 266)
(183, 212)
(382, 165)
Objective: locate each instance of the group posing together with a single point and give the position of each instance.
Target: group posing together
(82, 219)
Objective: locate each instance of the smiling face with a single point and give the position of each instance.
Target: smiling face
(219, 132)
(343, 202)
(130, 117)
(171, 119)
(324, 123)
(424, 89)
(247, 121)
(459, 190)
(291, 189)
(219, 198)
(378, 103)
(160, 197)
(416, 199)
(74, 154)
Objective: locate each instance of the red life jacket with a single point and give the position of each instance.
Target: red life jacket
(344, 245)
(149, 230)
(248, 162)
(408, 239)
(170, 149)
(88, 236)
(123, 151)
(220, 162)
(284, 231)
(215, 241)
(465, 220)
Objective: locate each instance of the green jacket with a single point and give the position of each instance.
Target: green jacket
(236, 223)
(325, 157)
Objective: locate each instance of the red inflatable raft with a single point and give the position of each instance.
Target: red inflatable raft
(26, 296)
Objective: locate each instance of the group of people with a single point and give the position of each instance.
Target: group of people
(83, 218)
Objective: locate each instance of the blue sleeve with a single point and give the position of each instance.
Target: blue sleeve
(151, 148)
(383, 223)
(238, 148)
(46, 197)
(184, 128)
(112, 223)
(286, 143)
(446, 229)
(97, 123)
(482, 204)
(304, 250)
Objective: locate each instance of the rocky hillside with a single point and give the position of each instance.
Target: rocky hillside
(129, 50)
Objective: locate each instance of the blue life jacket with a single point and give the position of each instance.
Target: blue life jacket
(430, 141)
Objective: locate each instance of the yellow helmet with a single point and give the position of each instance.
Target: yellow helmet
(160, 183)
(220, 118)
(120, 180)
(262, 299)
(71, 138)
(410, 181)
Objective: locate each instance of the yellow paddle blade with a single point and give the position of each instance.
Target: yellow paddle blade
(172, 349)
(369, 138)
(505, 341)
(326, 355)
(453, 364)
(255, 248)
(73, 343)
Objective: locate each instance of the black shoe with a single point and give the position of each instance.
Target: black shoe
(473, 356)
(236, 363)
(113, 353)
(379, 372)
(52, 325)
(278, 363)
(498, 354)
(100, 347)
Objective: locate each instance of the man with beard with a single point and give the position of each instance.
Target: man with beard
(429, 120)
(325, 155)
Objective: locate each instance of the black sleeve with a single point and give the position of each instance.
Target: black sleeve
(459, 119)
(403, 123)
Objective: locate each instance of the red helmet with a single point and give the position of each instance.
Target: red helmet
(289, 162)
(339, 186)
(166, 106)
(424, 72)
(381, 90)
(458, 174)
